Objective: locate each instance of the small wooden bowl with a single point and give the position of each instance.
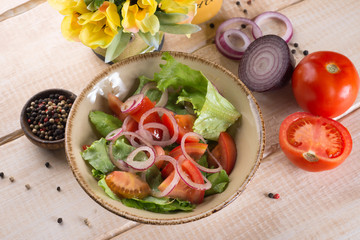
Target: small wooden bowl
(47, 144)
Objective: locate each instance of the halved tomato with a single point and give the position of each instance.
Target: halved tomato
(185, 123)
(195, 150)
(314, 143)
(225, 152)
(115, 106)
(182, 190)
(127, 185)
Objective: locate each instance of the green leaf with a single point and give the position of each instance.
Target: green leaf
(159, 205)
(121, 149)
(170, 18)
(219, 182)
(104, 123)
(93, 5)
(153, 177)
(151, 40)
(117, 45)
(97, 174)
(185, 28)
(98, 157)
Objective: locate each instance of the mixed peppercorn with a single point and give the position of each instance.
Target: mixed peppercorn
(47, 117)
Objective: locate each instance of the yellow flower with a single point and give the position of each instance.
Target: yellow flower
(140, 16)
(178, 6)
(99, 27)
(68, 7)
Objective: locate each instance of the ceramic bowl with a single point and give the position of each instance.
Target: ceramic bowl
(248, 132)
(47, 144)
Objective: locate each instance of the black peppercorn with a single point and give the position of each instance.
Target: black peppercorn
(243, 25)
(296, 44)
(47, 164)
(293, 51)
(306, 52)
(212, 25)
(245, 11)
(238, 3)
(59, 220)
(1, 174)
(270, 195)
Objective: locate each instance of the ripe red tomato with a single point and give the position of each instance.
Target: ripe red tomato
(182, 190)
(115, 106)
(127, 185)
(195, 150)
(325, 83)
(225, 152)
(185, 123)
(314, 143)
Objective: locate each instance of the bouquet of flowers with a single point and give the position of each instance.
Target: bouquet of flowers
(110, 24)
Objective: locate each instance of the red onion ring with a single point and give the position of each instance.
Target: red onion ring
(165, 130)
(289, 29)
(131, 103)
(188, 181)
(141, 165)
(113, 134)
(187, 156)
(222, 45)
(161, 143)
(164, 96)
(174, 181)
(126, 123)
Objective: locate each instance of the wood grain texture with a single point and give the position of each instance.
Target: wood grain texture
(35, 56)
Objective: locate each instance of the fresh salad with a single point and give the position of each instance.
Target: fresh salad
(165, 148)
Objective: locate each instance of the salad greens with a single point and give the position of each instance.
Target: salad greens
(214, 115)
(214, 112)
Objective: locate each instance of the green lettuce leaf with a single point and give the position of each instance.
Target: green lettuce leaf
(121, 149)
(104, 123)
(159, 205)
(216, 115)
(219, 182)
(96, 155)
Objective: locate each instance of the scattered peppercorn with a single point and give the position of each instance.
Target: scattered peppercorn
(238, 3)
(47, 164)
(1, 174)
(306, 52)
(248, 2)
(86, 221)
(59, 220)
(243, 25)
(27, 186)
(58, 189)
(296, 44)
(275, 196)
(44, 115)
(293, 51)
(245, 11)
(270, 195)
(212, 25)
(12, 179)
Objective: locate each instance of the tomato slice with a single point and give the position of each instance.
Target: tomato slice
(145, 105)
(183, 191)
(195, 150)
(314, 143)
(185, 125)
(115, 106)
(127, 185)
(225, 152)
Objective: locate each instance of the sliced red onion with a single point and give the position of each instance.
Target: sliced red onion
(164, 96)
(222, 37)
(289, 29)
(187, 156)
(137, 136)
(174, 181)
(132, 103)
(165, 130)
(161, 111)
(141, 165)
(188, 181)
(126, 123)
(113, 134)
(267, 64)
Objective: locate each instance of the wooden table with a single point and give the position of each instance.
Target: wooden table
(35, 56)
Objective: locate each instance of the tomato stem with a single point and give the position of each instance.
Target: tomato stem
(332, 68)
(310, 156)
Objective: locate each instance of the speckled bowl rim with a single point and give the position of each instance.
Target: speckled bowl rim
(148, 220)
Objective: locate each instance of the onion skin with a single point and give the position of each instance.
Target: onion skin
(267, 64)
